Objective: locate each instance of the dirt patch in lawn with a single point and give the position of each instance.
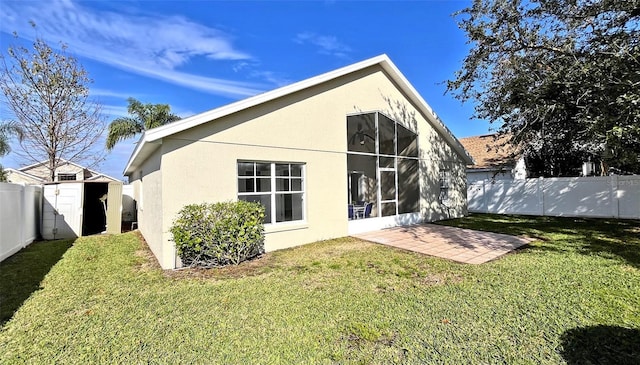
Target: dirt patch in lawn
(295, 259)
(325, 258)
(440, 279)
(257, 266)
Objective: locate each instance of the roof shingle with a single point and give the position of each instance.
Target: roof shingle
(487, 151)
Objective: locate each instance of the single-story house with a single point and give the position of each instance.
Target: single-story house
(348, 151)
(493, 160)
(38, 173)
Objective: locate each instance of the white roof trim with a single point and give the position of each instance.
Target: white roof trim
(62, 160)
(144, 147)
(99, 175)
(34, 177)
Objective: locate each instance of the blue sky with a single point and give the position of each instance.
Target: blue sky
(199, 55)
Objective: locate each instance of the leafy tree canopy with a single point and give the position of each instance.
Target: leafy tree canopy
(142, 117)
(560, 77)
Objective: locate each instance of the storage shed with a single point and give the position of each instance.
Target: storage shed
(74, 209)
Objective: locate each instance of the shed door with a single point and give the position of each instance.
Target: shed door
(62, 211)
(114, 208)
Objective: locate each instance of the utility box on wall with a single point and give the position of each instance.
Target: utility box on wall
(77, 209)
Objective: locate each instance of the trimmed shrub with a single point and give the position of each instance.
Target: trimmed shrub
(219, 234)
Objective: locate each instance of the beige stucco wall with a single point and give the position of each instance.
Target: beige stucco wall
(206, 172)
(147, 186)
(199, 164)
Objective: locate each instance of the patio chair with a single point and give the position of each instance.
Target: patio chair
(367, 210)
(351, 211)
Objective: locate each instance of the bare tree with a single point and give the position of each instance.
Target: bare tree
(48, 93)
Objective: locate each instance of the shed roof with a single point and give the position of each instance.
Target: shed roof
(149, 141)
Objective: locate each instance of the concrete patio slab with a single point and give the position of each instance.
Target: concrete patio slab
(452, 243)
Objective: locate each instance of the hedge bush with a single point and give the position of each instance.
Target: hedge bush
(219, 234)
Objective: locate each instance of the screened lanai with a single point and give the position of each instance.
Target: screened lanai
(383, 167)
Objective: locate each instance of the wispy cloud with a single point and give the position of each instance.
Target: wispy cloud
(254, 71)
(153, 46)
(113, 111)
(275, 78)
(326, 44)
(242, 65)
(109, 93)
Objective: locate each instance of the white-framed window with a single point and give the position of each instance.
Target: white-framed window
(445, 181)
(67, 177)
(445, 178)
(278, 186)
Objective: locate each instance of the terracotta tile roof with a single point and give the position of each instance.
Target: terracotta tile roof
(485, 151)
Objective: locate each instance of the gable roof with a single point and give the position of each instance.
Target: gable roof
(148, 142)
(63, 161)
(488, 152)
(41, 163)
(20, 172)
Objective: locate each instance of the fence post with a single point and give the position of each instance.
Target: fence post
(22, 213)
(484, 197)
(541, 195)
(613, 195)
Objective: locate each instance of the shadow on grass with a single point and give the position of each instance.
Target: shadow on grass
(21, 274)
(601, 345)
(613, 238)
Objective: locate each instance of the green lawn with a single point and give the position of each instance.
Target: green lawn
(573, 296)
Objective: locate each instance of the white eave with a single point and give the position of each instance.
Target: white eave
(19, 172)
(152, 139)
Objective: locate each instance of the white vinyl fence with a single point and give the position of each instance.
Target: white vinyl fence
(19, 217)
(607, 196)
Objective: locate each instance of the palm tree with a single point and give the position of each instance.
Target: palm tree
(142, 117)
(7, 130)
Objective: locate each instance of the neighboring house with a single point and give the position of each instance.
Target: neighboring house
(38, 173)
(307, 152)
(20, 177)
(493, 161)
